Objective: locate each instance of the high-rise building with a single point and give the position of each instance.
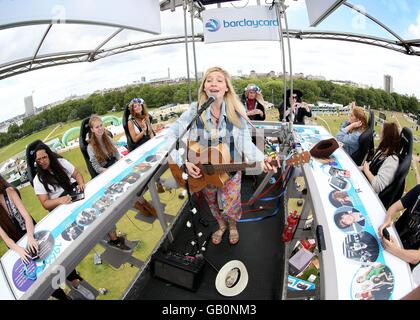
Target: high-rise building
(29, 106)
(388, 87)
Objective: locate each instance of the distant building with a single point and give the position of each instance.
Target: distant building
(29, 106)
(162, 80)
(329, 108)
(345, 83)
(311, 77)
(388, 85)
(254, 74)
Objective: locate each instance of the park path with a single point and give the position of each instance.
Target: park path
(52, 131)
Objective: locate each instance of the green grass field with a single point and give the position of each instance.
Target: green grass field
(58, 130)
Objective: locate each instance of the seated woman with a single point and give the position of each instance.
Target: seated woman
(56, 179)
(141, 130)
(15, 222)
(140, 122)
(381, 170)
(351, 130)
(101, 149)
(254, 102)
(103, 153)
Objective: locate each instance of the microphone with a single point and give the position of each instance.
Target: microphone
(206, 104)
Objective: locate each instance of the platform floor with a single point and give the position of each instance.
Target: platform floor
(260, 248)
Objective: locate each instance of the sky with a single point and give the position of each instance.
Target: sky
(335, 60)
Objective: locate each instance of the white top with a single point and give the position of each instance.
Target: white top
(55, 193)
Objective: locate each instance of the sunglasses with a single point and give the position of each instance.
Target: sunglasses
(137, 100)
(254, 88)
(41, 159)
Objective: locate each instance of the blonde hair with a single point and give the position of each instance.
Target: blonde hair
(231, 99)
(95, 143)
(359, 113)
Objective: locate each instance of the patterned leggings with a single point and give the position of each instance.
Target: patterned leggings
(228, 198)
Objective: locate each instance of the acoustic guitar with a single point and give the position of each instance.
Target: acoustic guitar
(214, 164)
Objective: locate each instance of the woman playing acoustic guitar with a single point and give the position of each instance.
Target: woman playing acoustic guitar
(224, 122)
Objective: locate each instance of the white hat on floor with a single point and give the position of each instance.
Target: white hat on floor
(232, 278)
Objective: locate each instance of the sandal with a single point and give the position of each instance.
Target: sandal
(233, 236)
(216, 237)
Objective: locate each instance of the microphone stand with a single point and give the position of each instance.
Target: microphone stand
(175, 145)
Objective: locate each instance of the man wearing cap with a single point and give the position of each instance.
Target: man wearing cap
(254, 102)
(295, 106)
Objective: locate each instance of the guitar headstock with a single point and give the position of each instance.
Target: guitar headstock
(299, 158)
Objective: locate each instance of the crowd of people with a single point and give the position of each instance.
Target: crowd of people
(226, 120)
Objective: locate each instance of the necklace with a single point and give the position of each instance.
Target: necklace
(214, 116)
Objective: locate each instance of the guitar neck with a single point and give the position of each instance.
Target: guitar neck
(230, 167)
(297, 159)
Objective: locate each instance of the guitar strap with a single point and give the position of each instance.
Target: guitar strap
(228, 137)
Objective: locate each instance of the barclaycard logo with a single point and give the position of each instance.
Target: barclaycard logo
(212, 25)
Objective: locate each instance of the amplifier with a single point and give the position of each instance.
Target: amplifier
(178, 269)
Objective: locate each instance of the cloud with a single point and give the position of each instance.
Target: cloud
(414, 29)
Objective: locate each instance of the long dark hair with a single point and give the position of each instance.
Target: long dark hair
(6, 222)
(58, 176)
(144, 111)
(390, 143)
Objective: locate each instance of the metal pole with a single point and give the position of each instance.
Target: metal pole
(288, 45)
(193, 42)
(280, 29)
(186, 51)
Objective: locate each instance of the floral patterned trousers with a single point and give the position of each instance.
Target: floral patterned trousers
(227, 198)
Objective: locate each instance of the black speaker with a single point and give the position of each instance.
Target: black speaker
(177, 269)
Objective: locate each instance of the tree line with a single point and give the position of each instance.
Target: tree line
(158, 95)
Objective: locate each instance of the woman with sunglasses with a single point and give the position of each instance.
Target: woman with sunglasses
(295, 106)
(140, 122)
(223, 124)
(254, 102)
(55, 180)
(141, 130)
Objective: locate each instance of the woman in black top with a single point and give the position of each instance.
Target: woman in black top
(140, 129)
(254, 102)
(295, 105)
(15, 221)
(140, 123)
(407, 225)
